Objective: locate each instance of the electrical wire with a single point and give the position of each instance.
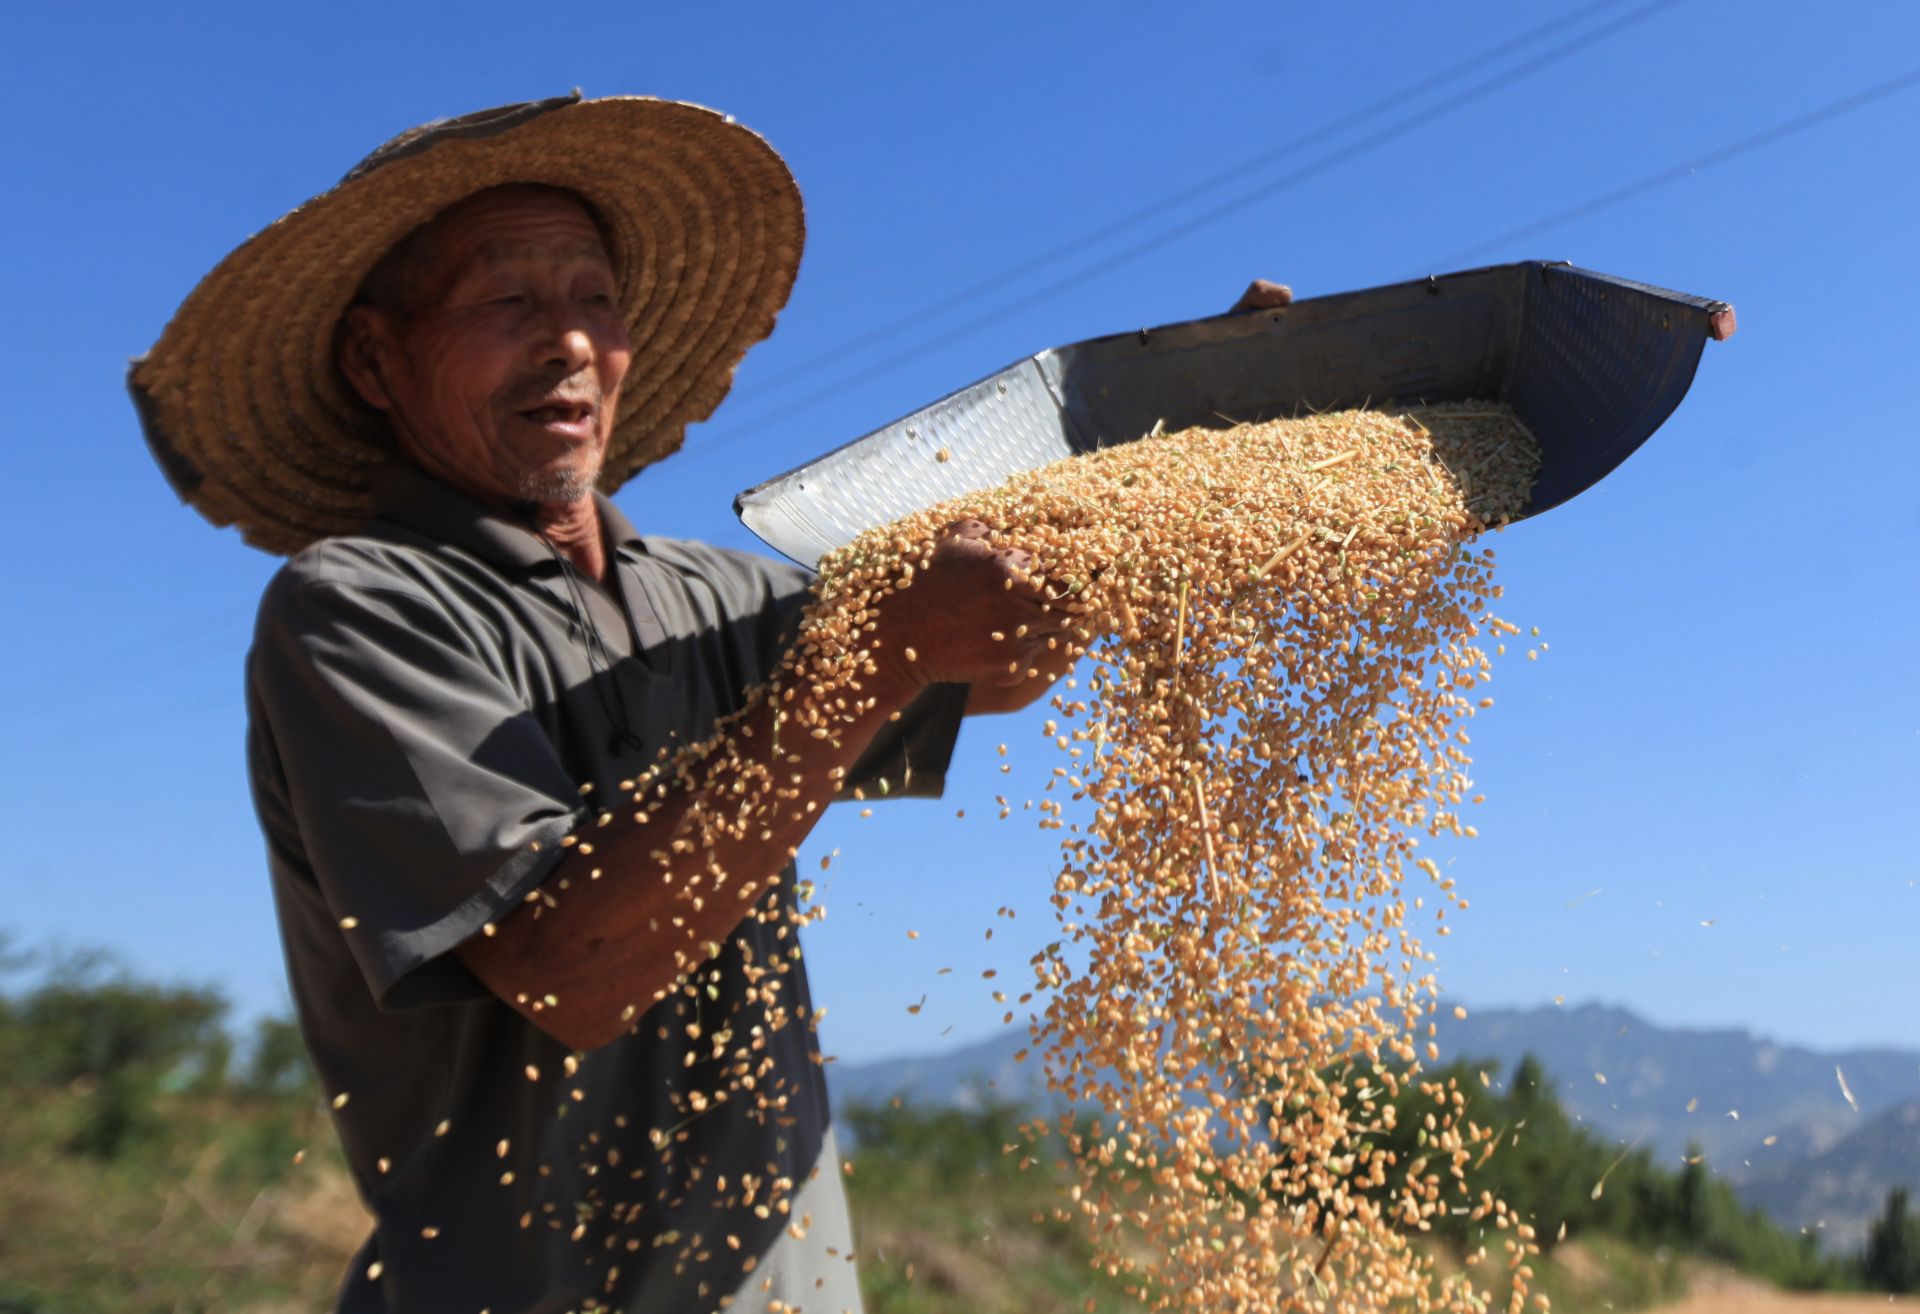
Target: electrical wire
(1720, 155)
(1332, 159)
(887, 330)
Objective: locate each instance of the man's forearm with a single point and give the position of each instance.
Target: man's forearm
(645, 897)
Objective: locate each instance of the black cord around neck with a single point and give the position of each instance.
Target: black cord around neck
(599, 659)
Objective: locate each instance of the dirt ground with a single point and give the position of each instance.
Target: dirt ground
(1728, 1293)
(1762, 1301)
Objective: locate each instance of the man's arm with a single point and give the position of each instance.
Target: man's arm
(638, 903)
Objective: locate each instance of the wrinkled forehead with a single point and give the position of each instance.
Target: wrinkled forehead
(507, 250)
(520, 222)
(495, 225)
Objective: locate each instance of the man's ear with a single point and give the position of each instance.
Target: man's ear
(362, 347)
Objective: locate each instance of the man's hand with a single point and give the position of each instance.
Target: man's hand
(977, 615)
(1262, 295)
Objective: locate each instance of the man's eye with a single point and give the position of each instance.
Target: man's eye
(511, 299)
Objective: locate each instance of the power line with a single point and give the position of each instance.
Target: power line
(1653, 181)
(1192, 191)
(1397, 128)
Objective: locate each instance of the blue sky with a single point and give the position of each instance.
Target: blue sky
(1725, 729)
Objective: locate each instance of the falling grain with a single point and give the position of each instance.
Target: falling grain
(1236, 987)
(1210, 887)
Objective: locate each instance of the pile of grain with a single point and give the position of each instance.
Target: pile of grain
(1281, 626)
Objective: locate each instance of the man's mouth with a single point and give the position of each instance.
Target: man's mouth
(558, 412)
(565, 416)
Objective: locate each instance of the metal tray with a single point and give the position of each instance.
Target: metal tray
(1592, 363)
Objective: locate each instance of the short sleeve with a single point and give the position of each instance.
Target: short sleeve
(909, 757)
(398, 767)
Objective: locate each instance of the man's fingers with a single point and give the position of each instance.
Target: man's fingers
(1033, 660)
(1263, 294)
(1018, 573)
(1019, 564)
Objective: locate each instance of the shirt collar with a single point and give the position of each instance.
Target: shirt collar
(409, 496)
(619, 530)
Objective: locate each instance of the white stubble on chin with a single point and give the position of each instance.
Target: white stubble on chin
(568, 484)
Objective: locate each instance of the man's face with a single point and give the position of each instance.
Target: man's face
(502, 373)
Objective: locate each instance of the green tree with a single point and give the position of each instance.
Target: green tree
(1893, 1247)
(1554, 1173)
(119, 1114)
(277, 1064)
(1692, 1221)
(82, 1023)
(1544, 1166)
(117, 1043)
(949, 1145)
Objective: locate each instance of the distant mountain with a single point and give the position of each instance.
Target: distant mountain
(1653, 1073)
(1843, 1188)
(1728, 1091)
(964, 1076)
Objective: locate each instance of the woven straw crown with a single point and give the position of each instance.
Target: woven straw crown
(241, 399)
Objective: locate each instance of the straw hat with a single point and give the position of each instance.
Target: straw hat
(242, 402)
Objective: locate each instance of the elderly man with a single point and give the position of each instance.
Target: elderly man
(560, 1083)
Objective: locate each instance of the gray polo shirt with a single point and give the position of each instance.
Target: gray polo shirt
(422, 715)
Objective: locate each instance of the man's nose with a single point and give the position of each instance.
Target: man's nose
(564, 340)
(569, 348)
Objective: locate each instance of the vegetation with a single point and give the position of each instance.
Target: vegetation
(1892, 1260)
(1568, 1182)
(143, 1168)
(148, 1161)
(949, 1223)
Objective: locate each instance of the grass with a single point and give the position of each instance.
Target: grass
(1602, 1273)
(201, 1207)
(948, 1224)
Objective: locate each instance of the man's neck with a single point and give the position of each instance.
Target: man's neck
(573, 528)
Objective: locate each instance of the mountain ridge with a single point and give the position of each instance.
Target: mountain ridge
(1771, 1117)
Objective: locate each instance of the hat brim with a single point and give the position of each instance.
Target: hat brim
(244, 405)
